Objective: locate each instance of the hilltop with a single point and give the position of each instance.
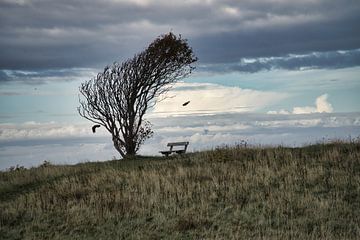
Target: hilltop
(226, 193)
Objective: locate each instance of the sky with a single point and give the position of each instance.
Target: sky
(270, 72)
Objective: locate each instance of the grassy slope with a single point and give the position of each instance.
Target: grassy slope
(228, 193)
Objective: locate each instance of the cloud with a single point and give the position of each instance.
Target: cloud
(321, 106)
(32, 142)
(35, 77)
(36, 130)
(182, 126)
(314, 60)
(204, 132)
(206, 98)
(294, 62)
(66, 34)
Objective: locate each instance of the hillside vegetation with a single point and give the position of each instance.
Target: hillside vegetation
(227, 193)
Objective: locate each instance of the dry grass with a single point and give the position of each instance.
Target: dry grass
(228, 193)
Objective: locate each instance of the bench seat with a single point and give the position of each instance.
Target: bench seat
(178, 151)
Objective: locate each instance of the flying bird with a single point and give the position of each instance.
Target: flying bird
(94, 128)
(186, 103)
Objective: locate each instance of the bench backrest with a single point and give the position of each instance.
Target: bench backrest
(171, 145)
(177, 144)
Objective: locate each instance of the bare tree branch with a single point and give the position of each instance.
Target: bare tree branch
(119, 97)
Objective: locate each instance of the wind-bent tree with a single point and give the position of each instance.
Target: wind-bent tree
(118, 97)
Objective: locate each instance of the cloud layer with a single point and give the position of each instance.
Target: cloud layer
(36, 77)
(31, 143)
(314, 60)
(65, 34)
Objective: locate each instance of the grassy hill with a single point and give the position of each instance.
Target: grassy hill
(227, 193)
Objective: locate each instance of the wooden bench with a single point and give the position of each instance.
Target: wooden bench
(175, 144)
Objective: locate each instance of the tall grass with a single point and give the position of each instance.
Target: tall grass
(227, 193)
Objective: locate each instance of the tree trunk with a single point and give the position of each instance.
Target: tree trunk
(117, 146)
(130, 148)
(130, 144)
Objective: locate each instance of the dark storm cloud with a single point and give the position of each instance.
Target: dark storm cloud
(41, 34)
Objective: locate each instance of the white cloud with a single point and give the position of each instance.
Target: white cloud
(304, 110)
(281, 111)
(321, 106)
(35, 130)
(206, 98)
